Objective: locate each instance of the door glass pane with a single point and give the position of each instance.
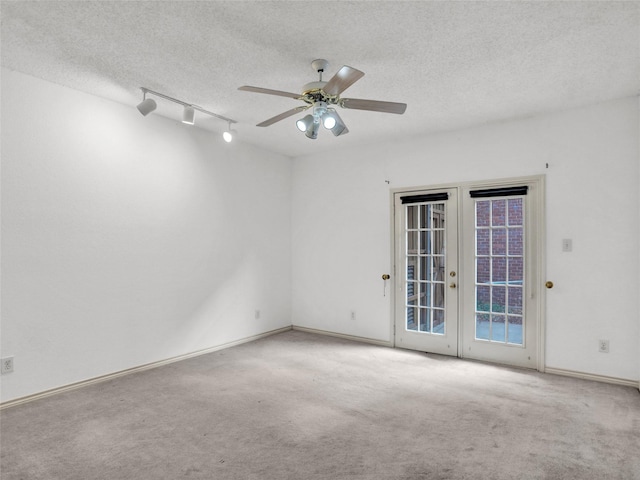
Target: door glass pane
(483, 213)
(412, 217)
(426, 273)
(515, 300)
(425, 294)
(483, 322)
(483, 270)
(483, 298)
(438, 268)
(425, 216)
(498, 212)
(438, 321)
(438, 295)
(424, 319)
(412, 289)
(515, 241)
(412, 243)
(499, 276)
(411, 319)
(516, 270)
(515, 329)
(499, 269)
(499, 241)
(425, 240)
(483, 241)
(515, 211)
(498, 329)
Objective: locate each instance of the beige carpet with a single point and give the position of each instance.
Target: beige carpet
(301, 406)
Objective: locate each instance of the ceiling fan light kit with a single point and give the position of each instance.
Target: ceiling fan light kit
(148, 105)
(321, 96)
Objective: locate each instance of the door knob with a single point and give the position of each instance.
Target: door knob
(452, 285)
(386, 276)
(549, 284)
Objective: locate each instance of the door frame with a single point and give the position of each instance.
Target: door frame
(540, 261)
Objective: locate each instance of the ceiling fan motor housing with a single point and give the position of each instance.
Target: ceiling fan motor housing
(319, 65)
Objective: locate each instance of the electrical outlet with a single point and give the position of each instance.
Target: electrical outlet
(353, 314)
(257, 315)
(6, 365)
(603, 346)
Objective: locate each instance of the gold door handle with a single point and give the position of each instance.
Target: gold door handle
(452, 285)
(386, 276)
(549, 284)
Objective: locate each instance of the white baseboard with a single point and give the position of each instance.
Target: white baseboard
(354, 338)
(590, 376)
(141, 368)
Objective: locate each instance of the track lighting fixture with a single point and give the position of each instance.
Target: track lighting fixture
(321, 114)
(188, 115)
(148, 105)
(228, 135)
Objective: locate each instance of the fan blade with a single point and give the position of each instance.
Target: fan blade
(280, 93)
(374, 105)
(342, 80)
(282, 116)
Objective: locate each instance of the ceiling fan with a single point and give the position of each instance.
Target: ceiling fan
(322, 97)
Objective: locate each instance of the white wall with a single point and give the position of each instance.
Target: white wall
(341, 225)
(127, 240)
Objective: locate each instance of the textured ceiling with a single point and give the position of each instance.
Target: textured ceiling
(455, 64)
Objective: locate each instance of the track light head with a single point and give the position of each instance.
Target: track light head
(228, 134)
(188, 115)
(147, 106)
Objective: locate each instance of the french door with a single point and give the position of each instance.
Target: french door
(468, 271)
(426, 232)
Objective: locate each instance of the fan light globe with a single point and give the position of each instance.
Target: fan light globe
(329, 121)
(227, 136)
(304, 123)
(312, 131)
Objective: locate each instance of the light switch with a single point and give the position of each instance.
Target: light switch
(567, 245)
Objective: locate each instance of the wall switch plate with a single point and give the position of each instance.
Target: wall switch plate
(353, 314)
(257, 315)
(567, 245)
(6, 365)
(603, 346)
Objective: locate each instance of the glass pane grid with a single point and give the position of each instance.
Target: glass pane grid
(499, 264)
(425, 266)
